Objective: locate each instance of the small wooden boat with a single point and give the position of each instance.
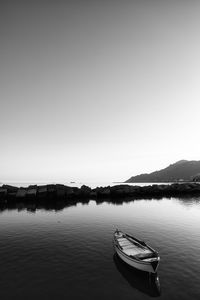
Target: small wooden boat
(136, 253)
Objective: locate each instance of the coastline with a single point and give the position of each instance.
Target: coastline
(49, 192)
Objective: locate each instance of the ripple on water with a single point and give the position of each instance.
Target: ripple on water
(70, 253)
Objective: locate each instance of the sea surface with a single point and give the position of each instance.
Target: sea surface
(52, 253)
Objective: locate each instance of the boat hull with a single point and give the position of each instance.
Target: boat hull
(143, 266)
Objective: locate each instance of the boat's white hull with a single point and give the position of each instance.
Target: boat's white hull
(143, 266)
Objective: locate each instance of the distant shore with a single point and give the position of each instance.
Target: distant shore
(53, 192)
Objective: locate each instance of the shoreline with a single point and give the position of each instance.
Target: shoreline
(64, 192)
(57, 197)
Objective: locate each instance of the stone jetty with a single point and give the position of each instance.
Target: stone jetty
(54, 192)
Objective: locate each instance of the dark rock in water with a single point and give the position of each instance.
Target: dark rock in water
(76, 192)
(42, 191)
(85, 191)
(31, 192)
(56, 197)
(51, 191)
(31, 207)
(11, 191)
(61, 191)
(93, 194)
(122, 190)
(3, 193)
(10, 188)
(101, 191)
(69, 191)
(155, 190)
(21, 193)
(33, 186)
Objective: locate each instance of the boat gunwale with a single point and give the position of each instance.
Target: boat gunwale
(137, 260)
(142, 243)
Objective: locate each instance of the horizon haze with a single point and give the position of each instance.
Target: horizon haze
(97, 90)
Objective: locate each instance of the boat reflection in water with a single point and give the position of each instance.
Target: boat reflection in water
(142, 281)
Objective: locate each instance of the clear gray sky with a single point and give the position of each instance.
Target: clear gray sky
(97, 90)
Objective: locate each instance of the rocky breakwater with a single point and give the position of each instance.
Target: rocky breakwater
(55, 192)
(43, 192)
(155, 190)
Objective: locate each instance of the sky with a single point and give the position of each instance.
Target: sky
(97, 90)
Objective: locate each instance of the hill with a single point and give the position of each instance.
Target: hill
(183, 170)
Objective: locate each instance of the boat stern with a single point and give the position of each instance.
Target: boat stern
(155, 264)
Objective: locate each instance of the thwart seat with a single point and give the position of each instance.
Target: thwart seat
(133, 249)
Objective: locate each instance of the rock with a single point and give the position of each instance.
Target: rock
(21, 193)
(85, 191)
(93, 193)
(31, 207)
(69, 191)
(10, 188)
(51, 191)
(3, 193)
(102, 191)
(76, 192)
(121, 190)
(31, 192)
(61, 191)
(42, 191)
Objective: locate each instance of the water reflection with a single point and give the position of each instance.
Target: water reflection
(33, 206)
(50, 204)
(188, 201)
(142, 281)
(50, 254)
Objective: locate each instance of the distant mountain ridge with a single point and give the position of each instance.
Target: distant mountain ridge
(182, 170)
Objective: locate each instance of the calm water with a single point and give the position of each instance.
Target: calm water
(68, 254)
